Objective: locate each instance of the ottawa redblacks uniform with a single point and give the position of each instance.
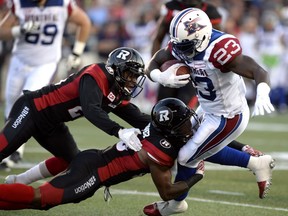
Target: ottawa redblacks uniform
(92, 92)
(92, 169)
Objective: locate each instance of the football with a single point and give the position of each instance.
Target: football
(183, 69)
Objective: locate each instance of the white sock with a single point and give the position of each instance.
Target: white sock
(35, 173)
(253, 163)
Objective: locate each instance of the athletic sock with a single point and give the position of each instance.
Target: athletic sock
(54, 166)
(44, 169)
(183, 173)
(231, 157)
(13, 206)
(16, 193)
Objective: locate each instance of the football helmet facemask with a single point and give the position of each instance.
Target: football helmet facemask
(190, 33)
(128, 67)
(172, 118)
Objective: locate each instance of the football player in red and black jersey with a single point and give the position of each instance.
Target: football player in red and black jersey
(169, 130)
(93, 92)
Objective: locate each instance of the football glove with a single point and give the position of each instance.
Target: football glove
(26, 27)
(168, 78)
(73, 62)
(262, 102)
(129, 137)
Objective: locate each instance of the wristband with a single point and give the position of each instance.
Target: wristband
(78, 48)
(154, 75)
(16, 31)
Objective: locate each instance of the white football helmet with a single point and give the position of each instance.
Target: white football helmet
(190, 33)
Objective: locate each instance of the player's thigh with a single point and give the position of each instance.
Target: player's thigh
(18, 129)
(81, 180)
(59, 141)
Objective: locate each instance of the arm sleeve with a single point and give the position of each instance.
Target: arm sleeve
(91, 102)
(132, 115)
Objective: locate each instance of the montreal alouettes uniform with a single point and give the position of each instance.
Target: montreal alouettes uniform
(52, 21)
(226, 90)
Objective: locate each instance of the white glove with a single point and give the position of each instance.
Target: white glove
(169, 78)
(73, 62)
(26, 27)
(30, 27)
(129, 137)
(262, 102)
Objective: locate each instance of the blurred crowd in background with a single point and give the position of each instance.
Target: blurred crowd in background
(260, 25)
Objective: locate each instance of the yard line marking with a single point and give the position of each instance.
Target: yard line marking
(130, 192)
(275, 127)
(226, 192)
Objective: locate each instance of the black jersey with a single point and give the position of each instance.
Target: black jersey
(174, 7)
(92, 168)
(90, 92)
(122, 163)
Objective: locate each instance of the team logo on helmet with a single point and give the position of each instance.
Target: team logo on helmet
(165, 144)
(192, 26)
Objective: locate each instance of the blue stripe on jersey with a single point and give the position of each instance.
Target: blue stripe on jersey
(219, 134)
(49, 3)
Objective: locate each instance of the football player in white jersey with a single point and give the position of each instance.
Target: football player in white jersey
(217, 70)
(37, 28)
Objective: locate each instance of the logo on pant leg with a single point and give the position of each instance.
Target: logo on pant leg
(20, 118)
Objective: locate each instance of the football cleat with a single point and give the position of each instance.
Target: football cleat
(165, 208)
(263, 174)
(253, 152)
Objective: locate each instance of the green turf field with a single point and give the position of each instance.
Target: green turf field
(223, 192)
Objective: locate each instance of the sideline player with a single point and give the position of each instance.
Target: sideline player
(37, 30)
(217, 67)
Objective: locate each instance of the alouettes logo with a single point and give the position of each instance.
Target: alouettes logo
(192, 26)
(165, 144)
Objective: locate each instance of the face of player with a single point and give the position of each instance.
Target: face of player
(130, 80)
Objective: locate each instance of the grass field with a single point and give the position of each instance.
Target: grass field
(224, 191)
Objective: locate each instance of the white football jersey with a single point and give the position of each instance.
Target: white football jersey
(220, 92)
(43, 46)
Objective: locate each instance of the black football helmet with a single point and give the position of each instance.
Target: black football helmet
(128, 67)
(172, 118)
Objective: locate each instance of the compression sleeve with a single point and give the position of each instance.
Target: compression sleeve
(91, 101)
